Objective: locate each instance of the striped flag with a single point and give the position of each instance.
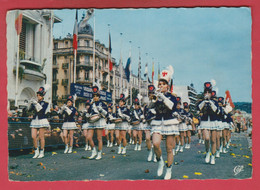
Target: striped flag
(153, 72)
(127, 69)
(228, 99)
(109, 57)
(139, 67)
(18, 23)
(75, 33)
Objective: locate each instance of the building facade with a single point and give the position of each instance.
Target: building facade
(187, 94)
(63, 69)
(35, 54)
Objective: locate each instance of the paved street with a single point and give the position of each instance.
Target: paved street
(190, 164)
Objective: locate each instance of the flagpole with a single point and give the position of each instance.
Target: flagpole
(139, 72)
(130, 74)
(109, 55)
(147, 73)
(94, 49)
(121, 66)
(153, 70)
(17, 71)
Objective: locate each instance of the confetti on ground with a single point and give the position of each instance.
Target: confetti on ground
(29, 176)
(199, 152)
(204, 153)
(241, 148)
(250, 164)
(53, 153)
(176, 163)
(185, 176)
(245, 156)
(124, 155)
(113, 156)
(147, 171)
(103, 153)
(238, 155)
(232, 154)
(40, 164)
(74, 152)
(198, 173)
(101, 175)
(165, 161)
(12, 172)
(44, 167)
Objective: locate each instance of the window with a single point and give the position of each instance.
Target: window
(55, 45)
(87, 43)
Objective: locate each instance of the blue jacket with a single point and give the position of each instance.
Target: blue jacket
(207, 111)
(67, 117)
(139, 112)
(41, 114)
(182, 113)
(162, 111)
(124, 110)
(92, 111)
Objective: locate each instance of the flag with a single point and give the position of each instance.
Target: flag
(153, 72)
(75, 33)
(146, 70)
(139, 67)
(127, 69)
(171, 86)
(109, 57)
(158, 72)
(18, 23)
(149, 80)
(228, 99)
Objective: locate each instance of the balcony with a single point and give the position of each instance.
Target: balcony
(29, 69)
(65, 82)
(84, 80)
(105, 85)
(55, 66)
(55, 81)
(65, 65)
(85, 64)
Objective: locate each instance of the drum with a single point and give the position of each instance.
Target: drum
(94, 118)
(135, 122)
(118, 120)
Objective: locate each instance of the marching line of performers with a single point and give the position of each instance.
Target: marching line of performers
(162, 116)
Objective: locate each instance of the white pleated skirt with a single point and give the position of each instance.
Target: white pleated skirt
(39, 123)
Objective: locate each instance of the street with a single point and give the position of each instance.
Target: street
(57, 166)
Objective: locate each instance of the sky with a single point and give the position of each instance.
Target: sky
(202, 44)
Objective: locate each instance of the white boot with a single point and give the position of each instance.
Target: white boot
(70, 150)
(86, 147)
(188, 146)
(178, 148)
(119, 149)
(99, 155)
(228, 145)
(181, 149)
(89, 147)
(135, 147)
(200, 141)
(207, 159)
(130, 142)
(124, 150)
(173, 151)
(221, 149)
(66, 149)
(150, 156)
(36, 153)
(111, 144)
(217, 154)
(41, 154)
(168, 173)
(212, 160)
(108, 143)
(203, 141)
(154, 158)
(225, 150)
(160, 167)
(139, 147)
(93, 154)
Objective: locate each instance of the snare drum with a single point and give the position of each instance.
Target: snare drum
(135, 122)
(94, 118)
(118, 120)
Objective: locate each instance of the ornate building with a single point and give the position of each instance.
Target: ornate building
(63, 61)
(35, 54)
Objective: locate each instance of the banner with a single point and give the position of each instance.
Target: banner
(86, 92)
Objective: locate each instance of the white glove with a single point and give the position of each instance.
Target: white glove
(68, 110)
(38, 107)
(144, 120)
(161, 95)
(34, 102)
(99, 108)
(142, 117)
(225, 117)
(88, 115)
(126, 117)
(213, 106)
(202, 104)
(153, 111)
(111, 117)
